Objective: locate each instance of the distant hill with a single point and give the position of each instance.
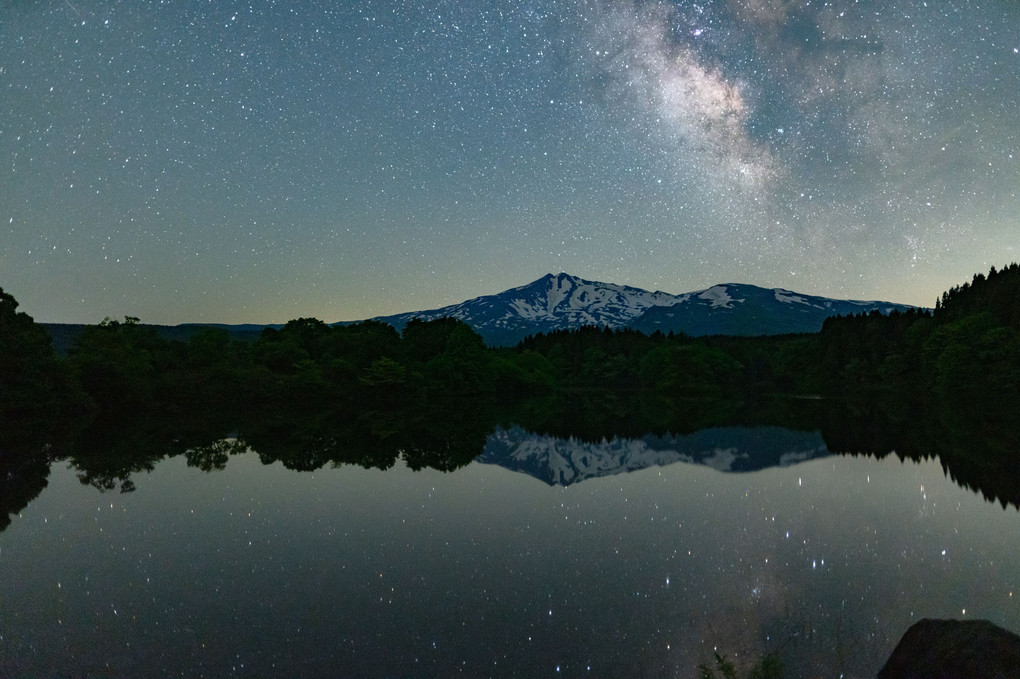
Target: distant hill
(740, 309)
(64, 334)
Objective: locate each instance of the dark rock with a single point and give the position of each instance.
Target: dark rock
(954, 649)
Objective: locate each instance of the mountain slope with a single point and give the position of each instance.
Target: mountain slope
(739, 309)
(553, 302)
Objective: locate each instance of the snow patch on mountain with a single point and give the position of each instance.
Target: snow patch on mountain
(787, 297)
(525, 310)
(719, 296)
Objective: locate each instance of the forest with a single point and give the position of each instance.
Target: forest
(964, 350)
(918, 383)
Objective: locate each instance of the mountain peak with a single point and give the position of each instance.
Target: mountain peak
(559, 278)
(553, 302)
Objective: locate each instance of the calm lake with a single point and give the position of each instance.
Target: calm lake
(543, 557)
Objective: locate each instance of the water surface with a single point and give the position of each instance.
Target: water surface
(257, 570)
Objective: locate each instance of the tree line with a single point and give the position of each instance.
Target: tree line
(965, 352)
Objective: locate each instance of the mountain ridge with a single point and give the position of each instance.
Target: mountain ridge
(563, 301)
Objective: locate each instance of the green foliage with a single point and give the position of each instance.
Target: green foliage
(455, 358)
(29, 373)
(965, 355)
(425, 340)
(384, 373)
(997, 293)
(601, 358)
(119, 363)
(529, 370)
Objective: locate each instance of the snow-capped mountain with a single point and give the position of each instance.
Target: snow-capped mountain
(550, 303)
(562, 301)
(740, 309)
(558, 461)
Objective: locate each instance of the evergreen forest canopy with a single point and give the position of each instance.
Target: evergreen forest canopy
(918, 383)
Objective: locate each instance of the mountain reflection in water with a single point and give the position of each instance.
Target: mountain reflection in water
(563, 461)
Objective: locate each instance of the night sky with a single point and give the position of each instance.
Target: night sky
(262, 161)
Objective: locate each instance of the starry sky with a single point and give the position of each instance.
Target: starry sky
(262, 161)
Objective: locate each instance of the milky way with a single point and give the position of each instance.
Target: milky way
(240, 161)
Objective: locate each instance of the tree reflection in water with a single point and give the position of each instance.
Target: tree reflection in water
(976, 444)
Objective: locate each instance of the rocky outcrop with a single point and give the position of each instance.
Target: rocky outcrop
(954, 649)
